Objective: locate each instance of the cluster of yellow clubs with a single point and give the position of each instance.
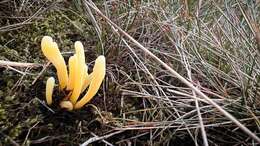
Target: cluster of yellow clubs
(78, 78)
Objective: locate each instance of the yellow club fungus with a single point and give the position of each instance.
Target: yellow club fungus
(78, 79)
(66, 105)
(51, 51)
(49, 90)
(98, 75)
(87, 79)
(72, 72)
(80, 67)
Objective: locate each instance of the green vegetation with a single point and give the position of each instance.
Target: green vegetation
(214, 45)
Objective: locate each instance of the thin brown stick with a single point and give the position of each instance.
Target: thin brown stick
(44, 68)
(97, 138)
(18, 64)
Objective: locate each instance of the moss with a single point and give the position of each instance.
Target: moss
(1, 93)
(3, 116)
(23, 44)
(15, 132)
(9, 54)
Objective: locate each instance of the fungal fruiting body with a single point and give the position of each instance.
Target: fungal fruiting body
(72, 72)
(80, 68)
(66, 104)
(98, 75)
(51, 51)
(49, 90)
(78, 79)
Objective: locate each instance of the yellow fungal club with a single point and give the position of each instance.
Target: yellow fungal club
(78, 79)
(97, 78)
(51, 51)
(49, 90)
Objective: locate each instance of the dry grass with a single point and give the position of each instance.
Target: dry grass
(214, 47)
